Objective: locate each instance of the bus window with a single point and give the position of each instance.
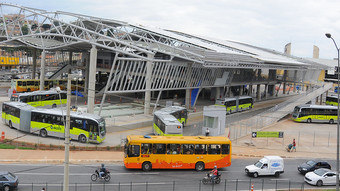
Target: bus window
(146, 148)
(214, 149)
(36, 83)
(200, 149)
(159, 149)
(19, 83)
(173, 149)
(188, 149)
(23, 83)
(225, 149)
(133, 151)
(30, 83)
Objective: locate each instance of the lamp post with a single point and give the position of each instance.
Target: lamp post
(337, 130)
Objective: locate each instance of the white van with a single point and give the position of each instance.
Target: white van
(269, 165)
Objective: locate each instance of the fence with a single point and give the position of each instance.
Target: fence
(196, 185)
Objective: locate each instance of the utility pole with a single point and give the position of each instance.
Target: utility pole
(67, 135)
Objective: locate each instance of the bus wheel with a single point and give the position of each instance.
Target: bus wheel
(82, 139)
(43, 132)
(146, 166)
(199, 166)
(29, 89)
(10, 124)
(54, 105)
(309, 120)
(331, 121)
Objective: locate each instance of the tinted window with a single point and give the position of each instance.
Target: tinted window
(146, 148)
(200, 149)
(214, 149)
(188, 149)
(173, 149)
(133, 151)
(159, 148)
(225, 149)
(3, 178)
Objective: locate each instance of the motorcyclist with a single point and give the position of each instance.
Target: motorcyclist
(213, 173)
(102, 171)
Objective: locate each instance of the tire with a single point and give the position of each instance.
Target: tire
(199, 166)
(82, 139)
(10, 125)
(331, 121)
(277, 174)
(146, 166)
(54, 105)
(218, 180)
(319, 183)
(309, 120)
(6, 188)
(94, 177)
(205, 181)
(29, 90)
(107, 178)
(255, 175)
(43, 133)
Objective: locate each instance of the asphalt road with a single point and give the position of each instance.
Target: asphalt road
(233, 178)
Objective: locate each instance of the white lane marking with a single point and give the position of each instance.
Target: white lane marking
(81, 174)
(99, 184)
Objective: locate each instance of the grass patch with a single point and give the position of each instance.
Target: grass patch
(5, 146)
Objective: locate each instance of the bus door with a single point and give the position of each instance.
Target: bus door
(173, 158)
(214, 155)
(200, 152)
(133, 153)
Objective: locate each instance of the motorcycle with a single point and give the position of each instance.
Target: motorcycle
(209, 179)
(106, 176)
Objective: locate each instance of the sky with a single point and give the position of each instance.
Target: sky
(265, 23)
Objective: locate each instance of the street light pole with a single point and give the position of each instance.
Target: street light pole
(337, 130)
(67, 135)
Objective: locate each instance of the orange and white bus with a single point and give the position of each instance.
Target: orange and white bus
(185, 152)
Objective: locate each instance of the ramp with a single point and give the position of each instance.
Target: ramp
(61, 70)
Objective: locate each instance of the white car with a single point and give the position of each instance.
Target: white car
(321, 176)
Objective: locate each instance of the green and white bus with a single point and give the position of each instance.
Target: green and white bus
(41, 98)
(180, 113)
(236, 104)
(315, 113)
(50, 122)
(332, 100)
(166, 125)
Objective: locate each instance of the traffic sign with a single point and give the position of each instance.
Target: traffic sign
(277, 134)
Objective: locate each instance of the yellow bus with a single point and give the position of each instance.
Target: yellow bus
(28, 85)
(9, 61)
(185, 152)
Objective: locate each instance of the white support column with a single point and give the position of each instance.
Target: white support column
(187, 91)
(92, 79)
(34, 52)
(266, 91)
(258, 92)
(87, 69)
(148, 85)
(42, 70)
(218, 93)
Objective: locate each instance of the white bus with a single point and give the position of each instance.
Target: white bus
(180, 113)
(166, 124)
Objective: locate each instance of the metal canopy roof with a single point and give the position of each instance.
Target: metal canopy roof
(68, 31)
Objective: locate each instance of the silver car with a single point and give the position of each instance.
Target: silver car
(321, 176)
(8, 181)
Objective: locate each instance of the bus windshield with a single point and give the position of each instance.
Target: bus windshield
(296, 112)
(102, 129)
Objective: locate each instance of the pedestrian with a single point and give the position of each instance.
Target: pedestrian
(207, 132)
(294, 146)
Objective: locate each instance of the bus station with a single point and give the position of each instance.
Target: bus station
(145, 85)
